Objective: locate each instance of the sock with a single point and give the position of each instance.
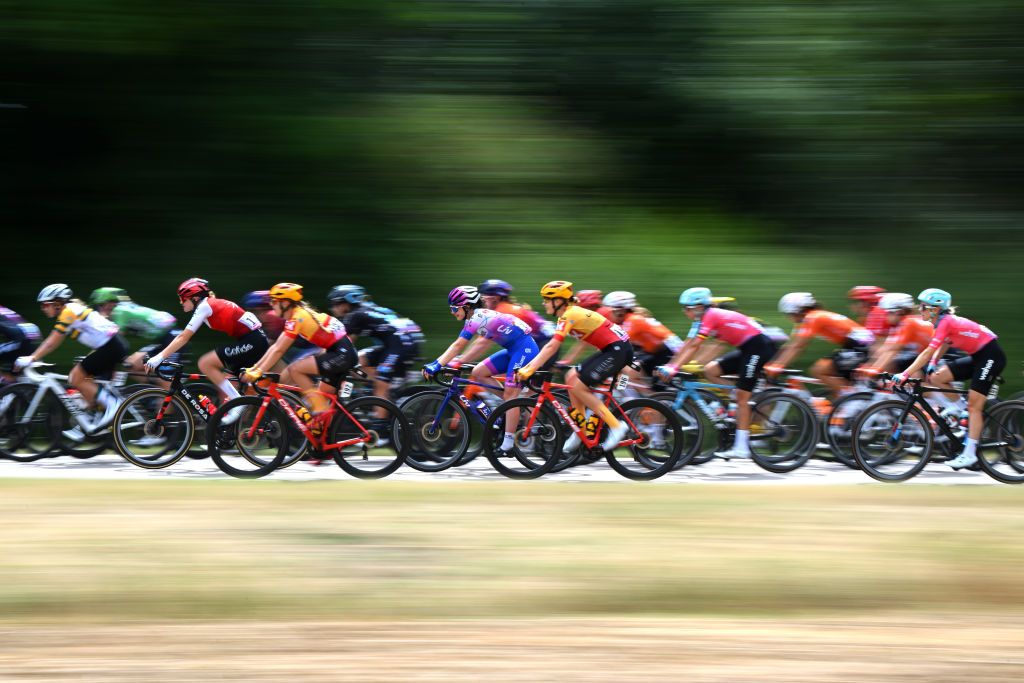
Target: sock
(102, 398)
(742, 440)
(608, 418)
(229, 389)
(970, 446)
(508, 441)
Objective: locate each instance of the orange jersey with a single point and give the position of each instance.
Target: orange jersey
(646, 333)
(588, 326)
(912, 333)
(319, 329)
(832, 327)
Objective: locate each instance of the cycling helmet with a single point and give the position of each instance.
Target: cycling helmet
(347, 294)
(258, 299)
(868, 293)
(589, 298)
(795, 302)
(557, 289)
(193, 287)
(495, 288)
(464, 295)
(696, 296)
(105, 295)
(55, 292)
(620, 300)
(286, 290)
(936, 297)
(895, 301)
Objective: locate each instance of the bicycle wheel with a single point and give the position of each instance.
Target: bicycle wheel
(252, 446)
(889, 448)
(697, 425)
(296, 443)
(148, 442)
(783, 432)
(1001, 447)
(839, 425)
(538, 439)
(440, 428)
(660, 437)
(384, 441)
(23, 437)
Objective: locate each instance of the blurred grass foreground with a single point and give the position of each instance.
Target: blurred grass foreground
(110, 551)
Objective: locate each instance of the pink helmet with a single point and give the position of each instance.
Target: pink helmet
(464, 295)
(192, 287)
(589, 298)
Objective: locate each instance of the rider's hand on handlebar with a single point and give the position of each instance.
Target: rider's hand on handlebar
(866, 372)
(524, 373)
(23, 362)
(153, 363)
(430, 369)
(773, 371)
(899, 379)
(251, 375)
(665, 372)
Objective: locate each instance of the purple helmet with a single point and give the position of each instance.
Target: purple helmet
(464, 295)
(258, 299)
(495, 288)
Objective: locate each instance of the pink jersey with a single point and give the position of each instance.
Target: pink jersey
(731, 327)
(961, 333)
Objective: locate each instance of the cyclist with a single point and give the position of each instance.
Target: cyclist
(80, 322)
(753, 349)
(504, 329)
(153, 327)
(908, 335)
(653, 343)
(248, 343)
(18, 337)
(496, 296)
(323, 330)
(864, 303)
(589, 299)
(392, 352)
(259, 303)
(812, 321)
(984, 362)
(614, 353)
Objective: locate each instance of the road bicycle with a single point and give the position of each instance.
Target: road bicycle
(256, 442)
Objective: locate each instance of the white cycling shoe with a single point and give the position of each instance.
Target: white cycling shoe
(108, 415)
(571, 444)
(615, 435)
(963, 460)
(734, 454)
(233, 415)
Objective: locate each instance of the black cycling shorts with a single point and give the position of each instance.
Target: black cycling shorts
(103, 360)
(851, 356)
(606, 363)
(650, 361)
(748, 361)
(243, 352)
(982, 368)
(335, 362)
(395, 358)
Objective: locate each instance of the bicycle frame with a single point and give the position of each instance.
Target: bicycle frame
(271, 393)
(50, 382)
(455, 390)
(687, 389)
(545, 396)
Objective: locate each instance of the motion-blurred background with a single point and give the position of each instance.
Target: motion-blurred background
(755, 147)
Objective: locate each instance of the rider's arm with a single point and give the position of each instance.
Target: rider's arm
(688, 351)
(575, 352)
(183, 338)
(474, 350)
(52, 341)
(921, 360)
(790, 352)
(549, 350)
(883, 356)
(452, 351)
(274, 353)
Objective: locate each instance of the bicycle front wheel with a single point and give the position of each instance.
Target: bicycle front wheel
(25, 437)
(146, 440)
(658, 439)
(890, 446)
(783, 432)
(382, 437)
(254, 444)
(839, 425)
(441, 431)
(1001, 448)
(537, 439)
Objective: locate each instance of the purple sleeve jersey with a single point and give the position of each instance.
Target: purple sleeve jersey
(501, 328)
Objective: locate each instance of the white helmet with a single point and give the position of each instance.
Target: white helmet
(794, 302)
(54, 292)
(619, 300)
(895, 301)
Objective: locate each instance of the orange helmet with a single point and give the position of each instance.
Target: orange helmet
(557, 289)
(286, 290)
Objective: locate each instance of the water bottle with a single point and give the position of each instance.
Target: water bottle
(483, 408)
(207, 404)
(303, 414)
(732, 409)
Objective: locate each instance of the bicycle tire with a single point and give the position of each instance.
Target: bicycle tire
(1001, 447)
(269, 431)
(875, 448)
(36, 439)
(839, 426)
(794, 429)
(177, 428)
(393, 438)
(661, 448)
(535, 452)
(436, 447)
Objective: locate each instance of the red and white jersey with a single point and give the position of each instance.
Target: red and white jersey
(224, 316)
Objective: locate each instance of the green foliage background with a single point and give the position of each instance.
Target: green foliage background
(753, 146)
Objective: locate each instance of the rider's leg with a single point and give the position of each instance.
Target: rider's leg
(84, 383)
(825, 371)
(212, 366)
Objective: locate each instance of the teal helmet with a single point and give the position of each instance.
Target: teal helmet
(696, 296)
(936, 297)
(106, 295)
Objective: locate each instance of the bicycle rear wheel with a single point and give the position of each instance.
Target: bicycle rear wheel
(147, 442)
(1001, 448)
(888, 447)
(384, 450)
(783, 432)
(538, 439)
(660, 441)
(252, 446)
(839, 425)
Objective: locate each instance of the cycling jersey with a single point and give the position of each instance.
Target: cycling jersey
(403, 325)
(732, 327)
(139, 321)
(371, 322)
(321, 329)
(540, 329)
(877, 322)
(832, 327)
(224, 316)
(648, 334)
(503, 329)
(14, 328)
(911, 333)
(590, 327)
(961, 333)
(84, 324)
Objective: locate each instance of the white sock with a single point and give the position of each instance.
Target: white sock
(103, 398)
(970, 446)
(508, 441)
(229, 389)
(742, 440)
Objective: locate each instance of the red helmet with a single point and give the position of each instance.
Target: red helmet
(868, 293)
(192, 287)
(589, 298)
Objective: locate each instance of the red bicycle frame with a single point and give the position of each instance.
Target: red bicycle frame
(545, 396)
(270, 393)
